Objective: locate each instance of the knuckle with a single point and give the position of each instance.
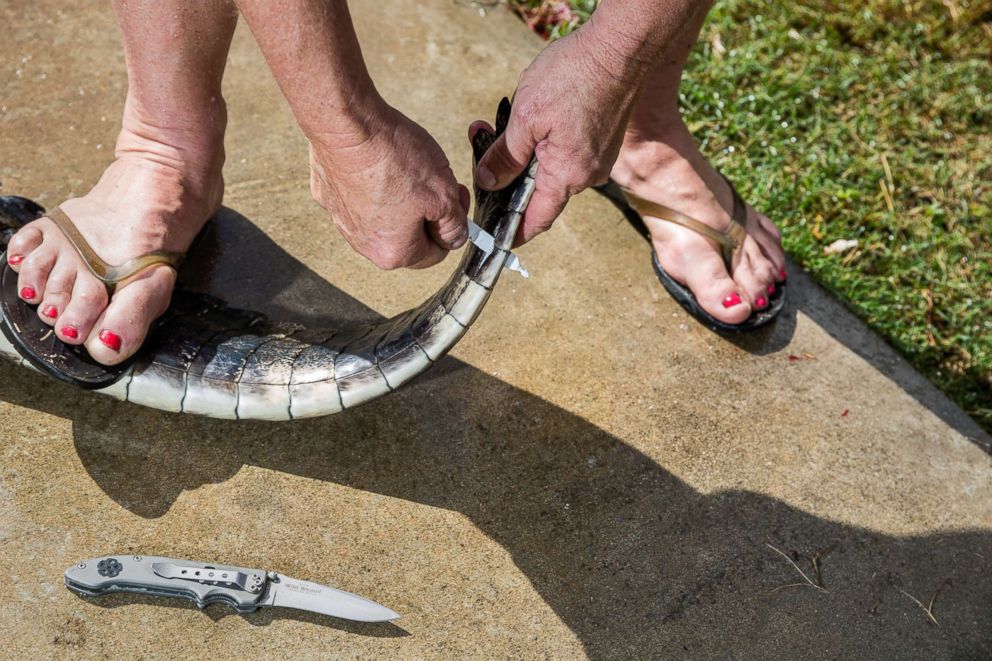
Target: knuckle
(450, 232)
(436, 204)
(431, 259)
(29, 265)
(385, 262)
(527, 110)
(501, 158)
(543, 225)
(91, 296)
(388, 260)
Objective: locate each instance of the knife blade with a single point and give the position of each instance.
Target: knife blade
(304, 595)
(485, 242)
(241, 588)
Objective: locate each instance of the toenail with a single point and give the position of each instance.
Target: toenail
(783, 274)
(771, 289)
(70, 332)
(761, 302)
(14, 260)
(731, 301)
(27, 293)
(111, 339)
(51, 312)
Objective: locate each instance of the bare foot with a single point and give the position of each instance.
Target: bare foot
(660, 162)
(158, 193)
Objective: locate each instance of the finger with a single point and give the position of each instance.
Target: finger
(477, 126)
(546, 204)
(507, 157)
(427, 252)
(450, 231)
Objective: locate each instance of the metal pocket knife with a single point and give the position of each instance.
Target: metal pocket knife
(243, 589)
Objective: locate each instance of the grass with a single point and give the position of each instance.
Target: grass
(869, 121)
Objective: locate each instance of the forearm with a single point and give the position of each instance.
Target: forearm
(627, 37)
(313, 52)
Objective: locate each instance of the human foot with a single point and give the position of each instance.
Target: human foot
(661, 163)
(156, 195)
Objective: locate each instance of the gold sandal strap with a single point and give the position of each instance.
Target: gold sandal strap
(728, 240)
(738, 218)
(110, 275)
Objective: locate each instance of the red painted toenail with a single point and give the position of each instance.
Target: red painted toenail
(27, 293)
(731, 301)
(761, 302)
(783, 274)
(14, 260)
(51, 312)
(771, 289)
(70, 332)
(111, 339)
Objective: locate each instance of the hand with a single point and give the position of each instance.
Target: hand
(571, 110)
(390, 191)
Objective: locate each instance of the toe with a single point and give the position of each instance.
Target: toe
(716, 292)
(753, 276)
(22, 244)
(88, 300)
(770, 240)
(58, 291)
(32, 276)
(121, 329)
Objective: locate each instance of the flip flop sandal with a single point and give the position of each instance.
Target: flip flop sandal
(36, 341)
(729, 242)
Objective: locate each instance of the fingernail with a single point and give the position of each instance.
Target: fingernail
(51, 312)
(771, 289)
(783, 274)
(27, 293)
(485, 177)
(111, 339)
(14, 260)
(761, 302)
(731, 301)
(70, 332)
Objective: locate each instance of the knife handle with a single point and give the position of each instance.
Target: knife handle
(238, 587)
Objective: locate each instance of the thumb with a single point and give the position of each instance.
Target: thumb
(507, 157)
(450, 231)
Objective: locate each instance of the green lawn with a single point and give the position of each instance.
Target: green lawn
(869, 121)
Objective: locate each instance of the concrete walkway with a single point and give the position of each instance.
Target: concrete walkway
(590, 474)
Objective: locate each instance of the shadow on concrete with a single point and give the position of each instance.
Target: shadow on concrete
(633, 560)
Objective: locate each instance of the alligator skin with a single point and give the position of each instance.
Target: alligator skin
(207, 358)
